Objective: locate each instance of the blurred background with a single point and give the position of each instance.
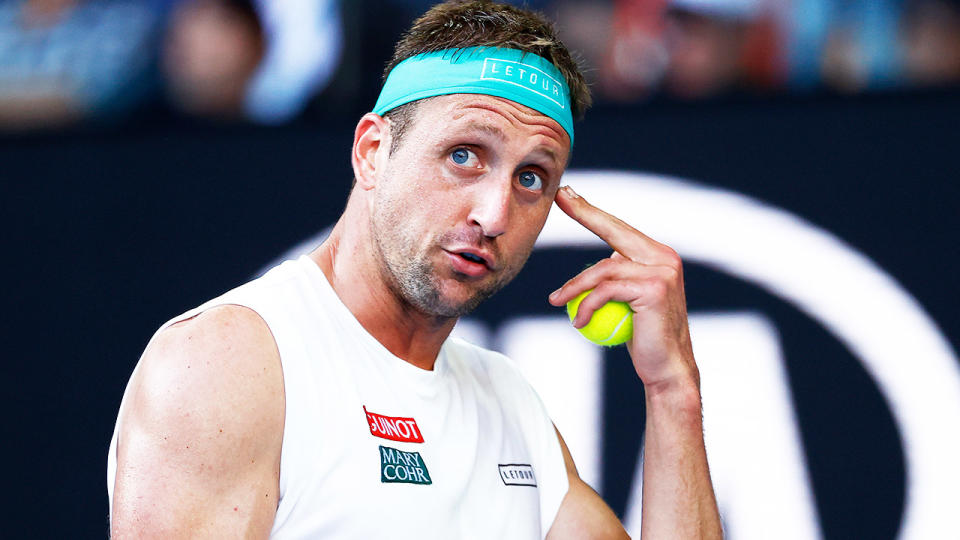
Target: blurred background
(155, 153)
(126, 62)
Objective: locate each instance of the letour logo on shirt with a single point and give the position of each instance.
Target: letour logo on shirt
(394, 428)
(517, 474)
(397, 466)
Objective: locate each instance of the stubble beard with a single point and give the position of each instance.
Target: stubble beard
(415, 280)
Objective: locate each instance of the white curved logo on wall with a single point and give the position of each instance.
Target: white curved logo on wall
(752, 439)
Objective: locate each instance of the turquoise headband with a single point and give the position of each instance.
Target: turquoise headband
(525, 78)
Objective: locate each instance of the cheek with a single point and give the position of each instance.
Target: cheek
(521, 242)
(410, 212)
(536, 218)
(530, 227)
(416, 186)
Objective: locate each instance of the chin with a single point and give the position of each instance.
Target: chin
(453, 300)
(472, 297)
(457, 305)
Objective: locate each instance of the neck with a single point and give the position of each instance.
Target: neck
(405, 331)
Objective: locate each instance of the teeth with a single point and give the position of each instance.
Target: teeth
(471, 257)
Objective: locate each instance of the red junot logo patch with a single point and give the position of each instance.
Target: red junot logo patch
(394, 428)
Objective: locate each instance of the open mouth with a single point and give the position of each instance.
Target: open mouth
(470, 264)
(473, 258)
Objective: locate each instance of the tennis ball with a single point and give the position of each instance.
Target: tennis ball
(610, 325)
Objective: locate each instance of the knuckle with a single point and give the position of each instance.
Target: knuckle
(672, 258)
(606, 265)
(671, 274)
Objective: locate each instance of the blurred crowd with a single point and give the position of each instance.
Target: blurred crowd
(693, 49)
(64, 62)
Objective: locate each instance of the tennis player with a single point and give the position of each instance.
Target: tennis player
(326, 398)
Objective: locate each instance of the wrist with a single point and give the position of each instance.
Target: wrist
(681, 392)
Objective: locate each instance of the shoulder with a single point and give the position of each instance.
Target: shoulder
(205, 386)
(222, 358)
(201, 426)
(211, 332)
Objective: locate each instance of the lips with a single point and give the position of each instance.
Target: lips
(470, 262)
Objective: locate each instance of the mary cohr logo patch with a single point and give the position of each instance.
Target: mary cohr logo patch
(397, 466)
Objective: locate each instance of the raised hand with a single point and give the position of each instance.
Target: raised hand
(678, 499)
(648, 276)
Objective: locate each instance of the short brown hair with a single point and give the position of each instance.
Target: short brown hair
(459, 24)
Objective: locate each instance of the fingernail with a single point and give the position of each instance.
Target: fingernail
(569, 192)
(555, 293)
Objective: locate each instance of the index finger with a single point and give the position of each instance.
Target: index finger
(623, 238)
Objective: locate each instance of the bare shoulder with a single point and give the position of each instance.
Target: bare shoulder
(222, 364)
(200, 435)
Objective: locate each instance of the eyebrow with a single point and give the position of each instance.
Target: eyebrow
(553, 155)
(498, 133)
(487, 128)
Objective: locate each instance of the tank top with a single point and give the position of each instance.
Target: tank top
(374, 447)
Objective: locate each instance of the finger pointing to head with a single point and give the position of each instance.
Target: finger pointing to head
(623, 238)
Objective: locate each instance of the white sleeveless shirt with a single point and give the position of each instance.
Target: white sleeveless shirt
(374, 447)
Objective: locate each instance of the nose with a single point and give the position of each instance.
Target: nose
(491, 206)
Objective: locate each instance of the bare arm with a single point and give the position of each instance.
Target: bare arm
(200, 432)
(583, 515)
(678, 499)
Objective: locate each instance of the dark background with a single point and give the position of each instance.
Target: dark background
(108, 233)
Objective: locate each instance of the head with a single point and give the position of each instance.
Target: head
(458, 186)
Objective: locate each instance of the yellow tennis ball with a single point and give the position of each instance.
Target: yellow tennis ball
(610, 325)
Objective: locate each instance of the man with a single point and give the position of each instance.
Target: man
(325, 398)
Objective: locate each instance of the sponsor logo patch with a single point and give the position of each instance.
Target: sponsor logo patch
(397, 466)
(394, 428)
(517, 474)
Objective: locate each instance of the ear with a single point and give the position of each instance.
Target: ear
(371, 145)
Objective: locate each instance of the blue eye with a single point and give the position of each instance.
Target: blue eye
(464, 156)
(531, 180)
